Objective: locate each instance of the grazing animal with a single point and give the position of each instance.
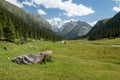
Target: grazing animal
(47, 56)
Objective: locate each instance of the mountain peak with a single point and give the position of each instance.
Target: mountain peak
(56, 23)
(73, 29)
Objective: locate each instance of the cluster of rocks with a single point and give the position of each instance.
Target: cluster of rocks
(33, 58)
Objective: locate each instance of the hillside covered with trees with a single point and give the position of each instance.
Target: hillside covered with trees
(13, 27)
(107, 28)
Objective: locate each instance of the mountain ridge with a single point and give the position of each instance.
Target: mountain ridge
(73, 29)
(106, 28)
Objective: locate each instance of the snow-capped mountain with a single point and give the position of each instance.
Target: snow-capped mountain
(56, 23)
(69, 29)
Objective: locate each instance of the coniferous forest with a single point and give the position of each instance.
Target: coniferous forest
(12, 27)
(107, 28)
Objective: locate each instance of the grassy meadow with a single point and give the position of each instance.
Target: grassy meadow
(77, 60)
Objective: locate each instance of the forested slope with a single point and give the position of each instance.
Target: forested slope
(13, 27)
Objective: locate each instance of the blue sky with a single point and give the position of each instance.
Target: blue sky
(84, 10)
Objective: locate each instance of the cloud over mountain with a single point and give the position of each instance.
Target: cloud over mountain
(116, 8)
(69, 8)
(41, 12)
(31, 3)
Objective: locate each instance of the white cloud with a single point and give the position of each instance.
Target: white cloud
(117, 9)
(117, 1)
(93, 23)
(15, 2)
(41, 12)
(70, 9)
(28, 3)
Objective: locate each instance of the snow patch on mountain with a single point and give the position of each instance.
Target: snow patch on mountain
(57, 23)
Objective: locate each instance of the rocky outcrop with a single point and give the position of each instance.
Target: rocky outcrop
(33, 58)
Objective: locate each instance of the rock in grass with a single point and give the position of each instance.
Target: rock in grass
(47, 56)
(5, 48)
(33, 58)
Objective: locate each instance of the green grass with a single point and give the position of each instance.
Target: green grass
(77, 60)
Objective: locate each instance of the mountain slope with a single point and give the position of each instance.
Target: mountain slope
(74, 29)
(14, 27)
(107, 28)
(98, 25)
(32, 19)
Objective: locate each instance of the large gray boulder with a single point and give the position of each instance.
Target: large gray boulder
(33, 58)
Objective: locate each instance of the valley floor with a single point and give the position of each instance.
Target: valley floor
(77, 60)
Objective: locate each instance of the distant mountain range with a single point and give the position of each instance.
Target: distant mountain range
(69, 29)
(73, 29)
(106, 28)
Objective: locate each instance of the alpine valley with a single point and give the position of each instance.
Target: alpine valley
(57, 40)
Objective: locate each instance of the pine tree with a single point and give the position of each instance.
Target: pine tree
(1, 31)
(9, 35)
(9, 31)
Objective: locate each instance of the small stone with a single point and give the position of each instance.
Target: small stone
(5, 48)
